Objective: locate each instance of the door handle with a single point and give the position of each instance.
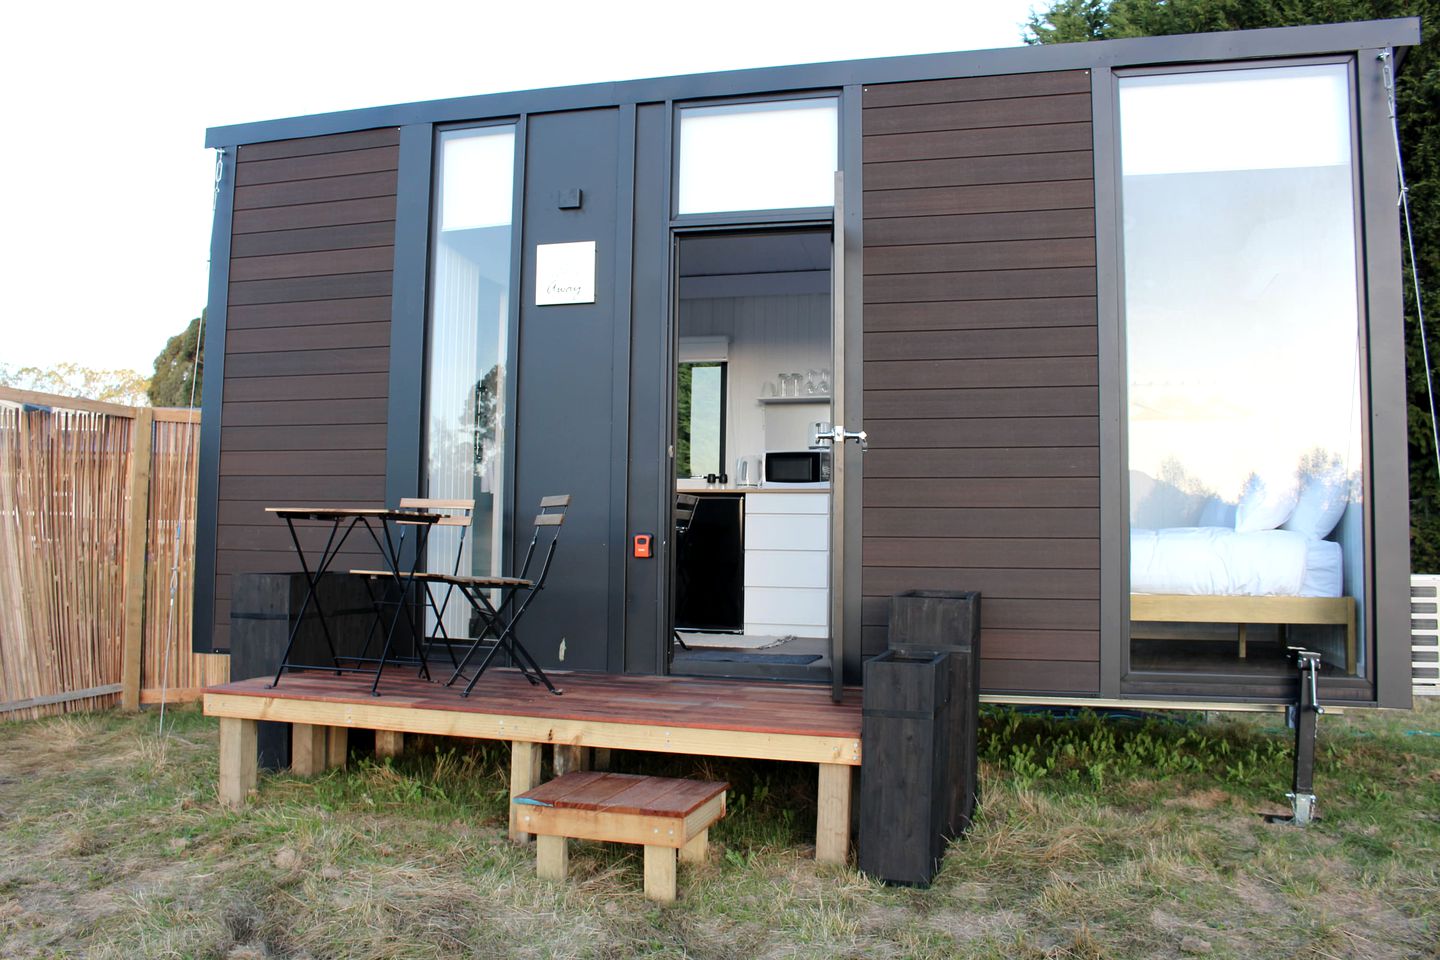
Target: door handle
(838, 434)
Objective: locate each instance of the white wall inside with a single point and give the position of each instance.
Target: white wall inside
(767, 335)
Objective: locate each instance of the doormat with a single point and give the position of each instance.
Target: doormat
(740, 656)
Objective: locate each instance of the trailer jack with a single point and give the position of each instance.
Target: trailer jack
(1303, 717)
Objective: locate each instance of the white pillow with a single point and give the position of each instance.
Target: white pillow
(1217, 513)
(1266, 502)
(1323, 499)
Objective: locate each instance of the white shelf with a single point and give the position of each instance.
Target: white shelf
(808, 398)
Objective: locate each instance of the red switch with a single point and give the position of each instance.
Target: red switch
(642, 546)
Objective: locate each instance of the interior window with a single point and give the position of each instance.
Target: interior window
(700, 434)
(770, 155)
(1242, 336)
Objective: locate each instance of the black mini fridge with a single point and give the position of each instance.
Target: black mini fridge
(710, 565)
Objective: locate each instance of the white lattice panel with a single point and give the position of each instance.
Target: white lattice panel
(1425, 632)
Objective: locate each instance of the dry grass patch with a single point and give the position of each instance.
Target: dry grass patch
(1096, 839)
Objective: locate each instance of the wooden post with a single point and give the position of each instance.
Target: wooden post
(337, 746)
(599, 758)
(698, 849)
(239, 768)
(389, 743)
(524, 774)
(832, 817)
(552, 857)
(137, 528)
(570, 759)
(309, 748)
(660, 873)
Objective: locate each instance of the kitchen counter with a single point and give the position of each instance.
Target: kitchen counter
(700, 486)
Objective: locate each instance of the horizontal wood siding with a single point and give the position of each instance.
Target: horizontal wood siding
(980, 371)
(307, 346)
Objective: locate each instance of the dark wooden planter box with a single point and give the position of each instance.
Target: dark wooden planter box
(932, 621)
(904, 794)
(262, 607)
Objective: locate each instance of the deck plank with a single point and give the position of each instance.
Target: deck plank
(685, 703)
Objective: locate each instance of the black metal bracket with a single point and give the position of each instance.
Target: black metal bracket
(1303, 717)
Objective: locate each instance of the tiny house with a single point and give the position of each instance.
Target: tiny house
(1110, 333)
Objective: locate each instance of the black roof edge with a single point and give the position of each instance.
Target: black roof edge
(1141, 51)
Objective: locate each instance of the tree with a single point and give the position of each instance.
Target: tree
(170, 386)
(72, 380)
(1417, 94)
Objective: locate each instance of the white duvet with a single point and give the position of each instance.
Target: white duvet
(1217, 561)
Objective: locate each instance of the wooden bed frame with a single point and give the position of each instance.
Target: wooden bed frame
(1180, 608)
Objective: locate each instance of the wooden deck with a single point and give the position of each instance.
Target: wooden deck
(685, 715)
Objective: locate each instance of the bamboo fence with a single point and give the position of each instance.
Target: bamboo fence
(97, 503)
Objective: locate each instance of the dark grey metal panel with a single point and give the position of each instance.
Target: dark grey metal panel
(404, 426)
(207, 502)
(566, 386)
(1114, 475)
(620, 387)
(1389, 457)
(1284, 41)
(649, 481)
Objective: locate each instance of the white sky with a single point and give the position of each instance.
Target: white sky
(105, 185)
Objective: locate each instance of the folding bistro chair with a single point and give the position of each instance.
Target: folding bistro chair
(684, 512)
(452, 513)
(498, 620)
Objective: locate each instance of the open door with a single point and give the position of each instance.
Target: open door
(840, 444)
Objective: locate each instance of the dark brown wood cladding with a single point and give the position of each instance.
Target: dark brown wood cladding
(980, 370)
(307, 346)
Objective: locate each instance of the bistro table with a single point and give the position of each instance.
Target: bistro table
(343, 522)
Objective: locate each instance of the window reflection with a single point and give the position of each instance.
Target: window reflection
(465, 369)
(1242, 334)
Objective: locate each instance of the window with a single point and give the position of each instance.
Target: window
(700, 430)
(771, 155)
(1242, 336)
(467, 345)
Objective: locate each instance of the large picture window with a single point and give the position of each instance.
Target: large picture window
(1244, 390)
(467, 343)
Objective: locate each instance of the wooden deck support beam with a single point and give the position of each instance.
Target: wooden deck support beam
(571, 759)
(239, 763)
(832, 814)
(524, 774)
(389, 743)
(309, 749)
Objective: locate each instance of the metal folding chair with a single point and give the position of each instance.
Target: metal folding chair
(452, 513)
(498, 620)
(684, 512)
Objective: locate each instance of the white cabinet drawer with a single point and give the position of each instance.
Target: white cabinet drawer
(787, 532)
(787, 568)
(787, 503)
(787, 605)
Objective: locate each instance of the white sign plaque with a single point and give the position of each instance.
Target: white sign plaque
(565, 273)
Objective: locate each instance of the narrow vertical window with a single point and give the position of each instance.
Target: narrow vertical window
(465, 366)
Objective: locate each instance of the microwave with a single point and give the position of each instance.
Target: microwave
(797, 466)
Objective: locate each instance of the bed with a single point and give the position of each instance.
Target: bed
(1218, 575)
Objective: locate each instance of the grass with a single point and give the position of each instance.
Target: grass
(1097, 838)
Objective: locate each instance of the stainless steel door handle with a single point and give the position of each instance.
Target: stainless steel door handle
(838, 434)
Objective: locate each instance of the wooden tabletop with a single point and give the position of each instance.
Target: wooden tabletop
(341, 513)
